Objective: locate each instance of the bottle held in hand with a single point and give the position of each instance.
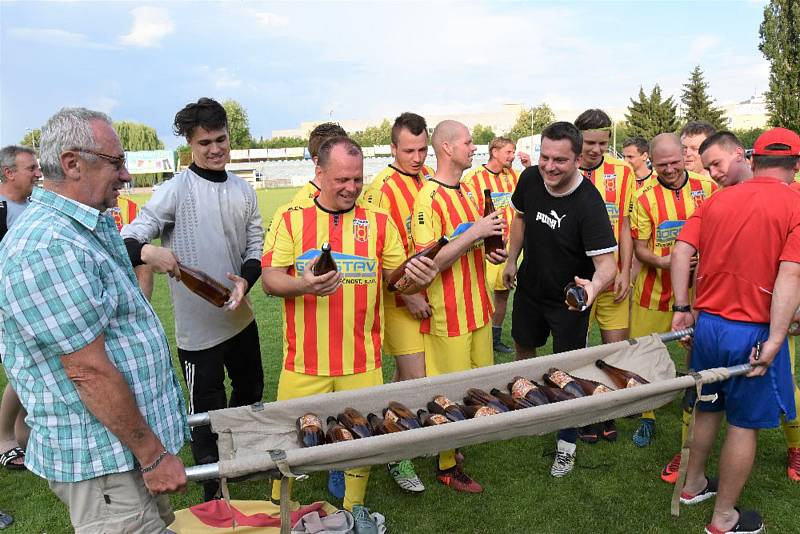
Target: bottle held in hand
(325, 263)
(444, 406)
(558, 378)
(522, 388)
(494, 242)
(621, 378)
(398, 281)
(355, 423)
(204, 286)
(309, 430)
(337, 432)
(576, 296)
(478, 397)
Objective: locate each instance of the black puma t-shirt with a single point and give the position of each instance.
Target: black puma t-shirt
(561, 236)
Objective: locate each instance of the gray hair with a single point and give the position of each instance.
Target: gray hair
(69, 129)
(8, 157)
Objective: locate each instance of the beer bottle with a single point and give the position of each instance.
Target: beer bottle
(522, 388)
(399, 414)
(444, 406)
(510, 402)
(591, 387)
(621, 377)
(325, 263)
(478, 397)
(204, 286)
(576, 296)
(376, 426)
(355, 423)
(494, 242)
(397, 279)
(337, 432)
(431, 419)
(309, 430)
(558, 378)
(554, 394)
(473, 411)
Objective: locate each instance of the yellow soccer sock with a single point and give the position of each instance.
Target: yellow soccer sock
(447, 460)
(355, 487)
(276, 490)
(649, 415)
(791, 429)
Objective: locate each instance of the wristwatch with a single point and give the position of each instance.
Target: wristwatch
(681, 307)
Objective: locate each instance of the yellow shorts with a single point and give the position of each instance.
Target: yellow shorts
(609, 314)
(293, 385)
(401, 333)
(645, 321)
(494, 274)
(451, 354)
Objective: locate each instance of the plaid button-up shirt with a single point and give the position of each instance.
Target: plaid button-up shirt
(65, 278)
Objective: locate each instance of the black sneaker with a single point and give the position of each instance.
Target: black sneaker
(502, 348)
(750, 522)
(709, 491)
(589, 434)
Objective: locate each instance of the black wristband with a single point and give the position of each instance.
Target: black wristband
(134, 251)
(251, 270)
(681, 308)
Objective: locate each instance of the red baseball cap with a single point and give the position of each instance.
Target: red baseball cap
(777, 142)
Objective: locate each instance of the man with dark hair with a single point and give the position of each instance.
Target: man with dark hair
(501, 179)
(207, 218)
(562, 224)
(320, 134)
(394, 189)
(636, 152)
(323, 355)
(748, 288)
(692, 136)
(723, 157)
(82, 347)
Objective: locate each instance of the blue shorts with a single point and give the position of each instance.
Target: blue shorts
(748, 402)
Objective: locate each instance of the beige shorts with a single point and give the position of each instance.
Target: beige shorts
(118, 503)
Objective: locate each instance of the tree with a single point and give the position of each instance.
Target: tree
(697, 105)
(748, 136)
(531, 121)
(238, 125)
(780, 44)
(374, 135)
(32, 139)
(281, 142)
(650, 116)
(621, 134)
(482, 135)
(136, 136)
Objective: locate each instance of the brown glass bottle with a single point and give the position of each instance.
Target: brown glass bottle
(444, 406)
(473, 411)
(376, 426)
(559, 379)
(431, 419)
(494, 242)
(522, 388)
(397, 280)
(510, 402)
(336, 432)
(621, 378)
(399, 414)
(355, 423)
(554, 394)
(325, 263)
(576, 296)
(309, 430)
(591, 387)
(204, 286)
(478, 397)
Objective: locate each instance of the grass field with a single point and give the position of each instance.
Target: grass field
(614, 488)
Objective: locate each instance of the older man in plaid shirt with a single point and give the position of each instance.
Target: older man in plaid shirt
(82, 346)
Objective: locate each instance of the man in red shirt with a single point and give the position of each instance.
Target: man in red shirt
(748, 287)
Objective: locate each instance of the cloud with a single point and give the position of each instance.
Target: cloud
(150, 25)
(220, 77)
(702, 44)
(55, 37)
(270, 20)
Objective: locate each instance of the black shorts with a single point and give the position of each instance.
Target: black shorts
(532, 321)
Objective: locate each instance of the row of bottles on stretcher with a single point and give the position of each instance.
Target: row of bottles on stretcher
(522, 393)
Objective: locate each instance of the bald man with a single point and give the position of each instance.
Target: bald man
(457, 335)
(659, 212)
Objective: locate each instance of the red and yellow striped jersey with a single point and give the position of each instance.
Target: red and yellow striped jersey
(501, 184)
(125, 212)
(658, 215)
(309, 191)
(459, 296)
(615, 180)
(340, 334)
(640, 184)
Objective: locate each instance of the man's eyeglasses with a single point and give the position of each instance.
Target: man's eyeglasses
(117, 161)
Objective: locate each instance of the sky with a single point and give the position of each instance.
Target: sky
(288, 62)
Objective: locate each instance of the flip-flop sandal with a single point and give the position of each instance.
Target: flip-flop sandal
(8, 457)
(5, 520)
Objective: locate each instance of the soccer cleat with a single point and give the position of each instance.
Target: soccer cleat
(609, 430)
(364, 524)
(749, 522)
(565, 459)
(403, 473)
(793, 464)
(589, 434)
(502, 348)
(336, 484)
(644, 434)
(709, 491)
(670, 473)
(458, 480)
